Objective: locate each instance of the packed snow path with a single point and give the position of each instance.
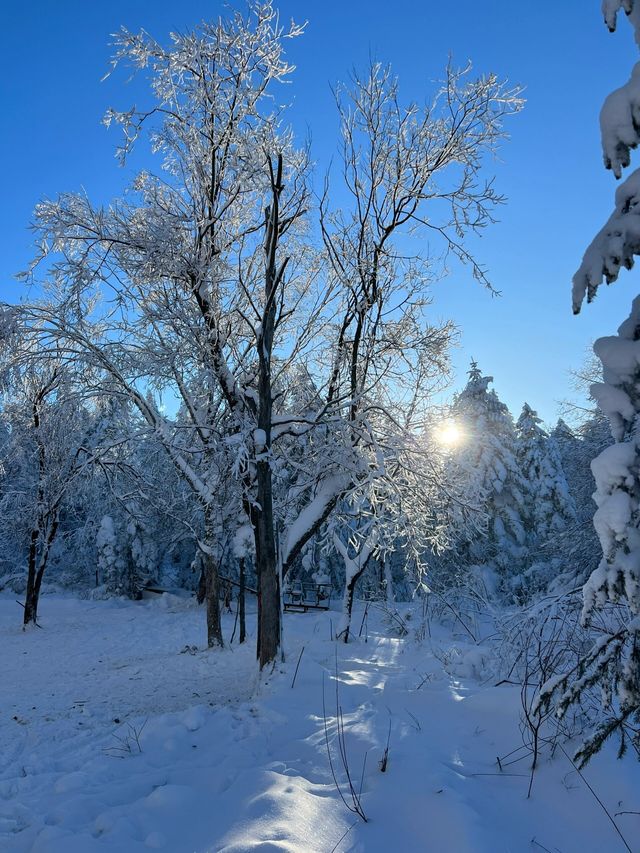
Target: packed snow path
(114, 738)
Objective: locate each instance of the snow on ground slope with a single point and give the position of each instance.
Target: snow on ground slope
(112, 738)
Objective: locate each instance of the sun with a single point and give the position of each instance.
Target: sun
(449, 434)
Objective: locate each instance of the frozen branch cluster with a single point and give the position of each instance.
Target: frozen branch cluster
(618, 242)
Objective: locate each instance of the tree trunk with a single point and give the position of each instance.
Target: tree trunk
(214, 627)
(44, 558)
(269, 608)
(266, 565)
(34, 578)
(212, 584)
(241, 603)
(33, 584)
(347, 605)
(354, 568)
(31, 601)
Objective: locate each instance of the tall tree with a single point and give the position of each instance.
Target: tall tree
(486, 462)
(550, 513)
(187, 264)
(613, 663)
(551, 507)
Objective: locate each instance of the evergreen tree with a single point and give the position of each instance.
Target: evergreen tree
(110, 558)
(575, 551)
(550, 509)
(550, 506)
(572, 448)
(487, 462)
(142, 547)
(613, 663)
(116, 568)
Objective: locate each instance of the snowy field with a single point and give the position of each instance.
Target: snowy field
(120, 732)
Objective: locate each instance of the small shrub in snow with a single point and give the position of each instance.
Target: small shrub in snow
(126, 743)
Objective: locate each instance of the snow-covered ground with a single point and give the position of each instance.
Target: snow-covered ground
(116, 734)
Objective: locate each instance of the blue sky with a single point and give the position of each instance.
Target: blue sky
(54, 54)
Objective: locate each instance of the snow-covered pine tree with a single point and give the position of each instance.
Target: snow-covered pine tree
(115, 570)
(142, 547)
(551, 507)
(487, 462)
(577, 549)
(613, 663)
(571, 446)
(108, 554)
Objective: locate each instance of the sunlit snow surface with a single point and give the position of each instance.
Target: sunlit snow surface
(230, 764)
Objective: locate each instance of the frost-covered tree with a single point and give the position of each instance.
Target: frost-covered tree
(114, 568)
(575, 455)
(550, 506)
(242, 550)
(576, 551)
(487, 464)
(50, 449)
(389, 516)
(550, 510)
(142, 545)
(410, 171)
(204, 282)
(126, 553)
(613, 589)
(188, 265)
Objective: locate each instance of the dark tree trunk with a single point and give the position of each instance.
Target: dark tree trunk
(258, 499)
(30, 602)
(266, 564)
(241, 603)
(227, 596)
(33, 583)
(201, 592)
(269, 614)
(214, 626)
(35, 575)
(212, 585)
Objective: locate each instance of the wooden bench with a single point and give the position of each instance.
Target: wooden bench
(300, 597)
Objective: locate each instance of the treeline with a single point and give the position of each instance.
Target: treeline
(90, 499)
(524, 526)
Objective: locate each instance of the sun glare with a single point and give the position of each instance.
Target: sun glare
(449, 434)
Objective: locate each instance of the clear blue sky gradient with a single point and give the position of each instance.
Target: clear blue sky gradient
(54, 55)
